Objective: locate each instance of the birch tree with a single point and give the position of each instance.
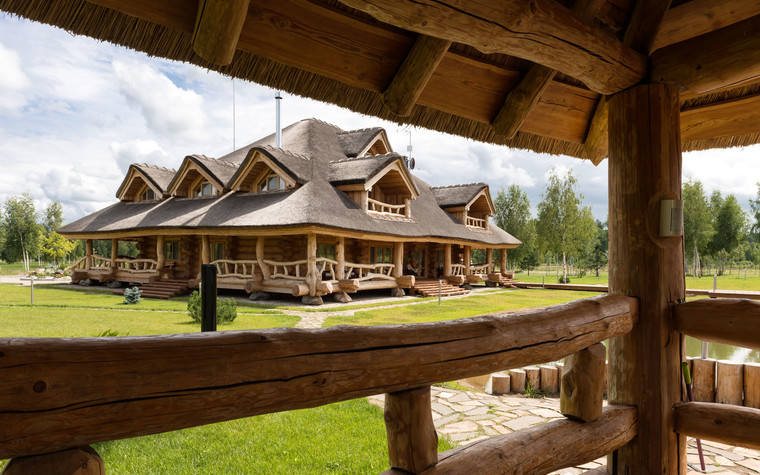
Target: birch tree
(22, 237)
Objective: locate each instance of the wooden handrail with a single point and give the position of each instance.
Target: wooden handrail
(733, 425)
(77, 265)
(730, 321)
(136, 265)
(235, 268)
(557, 444)
(379, 207)
(49, 399)
(364, 271)
(480, 269)
(286, 266)
(476, 222)
(100, 262)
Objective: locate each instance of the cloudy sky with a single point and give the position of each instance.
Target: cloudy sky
(74, 113)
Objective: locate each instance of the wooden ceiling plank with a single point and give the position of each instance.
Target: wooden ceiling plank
(175, 14)
(712, 61)
(724, 119)
(542, 31)
(414, 73)
(698, 17)
(218, 26)
(646, 18)
(524, 97)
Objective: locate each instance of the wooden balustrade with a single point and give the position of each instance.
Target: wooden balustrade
(282, 270)
(476, 222)
(49, 400)
(730, 321)
(136, 265)
(77, 265)
(457, 269)
(480, 269)
(325, 265)
(362, 272)
(235, 268)
(727, 424)
(378, 207)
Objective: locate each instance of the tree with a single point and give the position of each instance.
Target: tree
(730, 224)
(564, 225)
(596, 257)
(53, 218)
(697, 223)
(514, 216)
(56, 246)
(22, 230)
(755, 205)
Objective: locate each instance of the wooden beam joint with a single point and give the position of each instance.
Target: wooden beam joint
(217, 29)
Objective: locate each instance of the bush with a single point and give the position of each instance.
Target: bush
(226, 309)
(565, 280)
(132, 295)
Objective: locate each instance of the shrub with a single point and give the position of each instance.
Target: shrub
(565, 280)
(226, 309)
(132, 295)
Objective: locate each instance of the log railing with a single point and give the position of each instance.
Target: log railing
(100, 262)
(476, 222)
(325, 265)
(287, 270)
(77, 265)
(59, 405)
(481, 269)
(378, 207)
(362, 272)
(458, 269)
(235, 268)
(135, 265)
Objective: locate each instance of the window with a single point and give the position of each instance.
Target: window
(271, 182)
(380, 255)
(204, 188)
(326, 250)
(217, 251)
(172, 250)
(147, 195)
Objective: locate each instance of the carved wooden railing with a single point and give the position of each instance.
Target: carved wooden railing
(100, 262)
(235, 268)
(731, 322)
(287, 270)
(476, 223)
(458, 269)
(369, 271)
(135, 266)
(60, 405)
(481, 269)
(77, 265)
(325, 265)
(378, 207)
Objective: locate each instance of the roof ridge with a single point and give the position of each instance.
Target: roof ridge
(343, 132)
(458, 185)
(364, 157)
(148, 165)
(285, 151)
(321, 122)
(218, 160)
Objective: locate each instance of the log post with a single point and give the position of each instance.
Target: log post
(218, 26)
(340, 256)
(311, 264)
(489, 260)
(517, 380)
(549, 379)
(205, 250)
(446, 259)
(88, 254)
(703, 375)
(114, 252)
(532, 377)
(500, 383)
(467, 259)
(583, 384)
(503, 269)
(412, 440)
(729, 383)
(260, 258)
(752, 385)
(79, 461)
(644, 169)
(398, 260)
(161, 253)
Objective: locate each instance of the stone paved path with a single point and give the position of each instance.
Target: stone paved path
(465, 417)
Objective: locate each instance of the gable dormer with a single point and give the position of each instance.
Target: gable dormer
(380, 184)
(270, 169)
(470, 204)
(144, 183)
(201, 176)
(364, 142)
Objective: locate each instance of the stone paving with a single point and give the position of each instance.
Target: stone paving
(465, 417)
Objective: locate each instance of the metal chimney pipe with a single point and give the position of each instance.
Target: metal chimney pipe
(278, 135)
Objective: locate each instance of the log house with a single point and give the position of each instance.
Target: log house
(637, 82)
(331, 211)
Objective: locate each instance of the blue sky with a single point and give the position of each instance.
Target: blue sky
(75, 112)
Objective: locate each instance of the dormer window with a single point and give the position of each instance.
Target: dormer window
(204, 188)
(271, 182)
(148, 195)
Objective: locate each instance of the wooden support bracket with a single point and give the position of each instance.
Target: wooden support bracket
(582, 389)
(217, 29)
(412, 440)
(78, 461)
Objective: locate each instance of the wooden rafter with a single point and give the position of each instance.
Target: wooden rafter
(724, 119)
(414, 73)
(721, 58)
(217, 29)
(523, 98)
(698, 17)
(542, 31)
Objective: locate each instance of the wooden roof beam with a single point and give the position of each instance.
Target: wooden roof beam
(718, 59)
(698, 17)
(724, 119)
(646, 18)
(542, 31)
(414, 73)
(523, 98)
(217, 29)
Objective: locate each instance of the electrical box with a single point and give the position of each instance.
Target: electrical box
(671, 218)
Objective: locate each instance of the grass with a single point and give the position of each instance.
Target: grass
(460, 308)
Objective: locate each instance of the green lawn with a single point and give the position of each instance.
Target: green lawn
(461, 308)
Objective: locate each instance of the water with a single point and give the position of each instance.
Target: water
(719, 351)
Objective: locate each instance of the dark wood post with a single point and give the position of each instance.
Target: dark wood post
(208, 298)
(644, 169)
(412, 439)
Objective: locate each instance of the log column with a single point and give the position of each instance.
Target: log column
(467, 259)
(311, 264)
(489, 260)
(412, 440)
(260, 258)
(503, 261)
(340, 256)
(88, 254)
(114, 252)
(446, 260)
(398, 259)
(644, 169)
(161, 252)
(205, 250)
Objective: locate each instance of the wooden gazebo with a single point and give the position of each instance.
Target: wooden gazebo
(635, 81)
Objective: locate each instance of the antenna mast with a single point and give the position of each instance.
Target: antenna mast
(278, 135)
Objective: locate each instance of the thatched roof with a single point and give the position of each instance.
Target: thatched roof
(457, 195)
(349, 56)
(355, 142)
(317, 162)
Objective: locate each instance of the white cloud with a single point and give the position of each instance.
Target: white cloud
(13, 81)
(140, 151)
(171, 111)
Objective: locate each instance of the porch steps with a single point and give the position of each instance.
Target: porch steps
(429, 288)
(161, 290)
